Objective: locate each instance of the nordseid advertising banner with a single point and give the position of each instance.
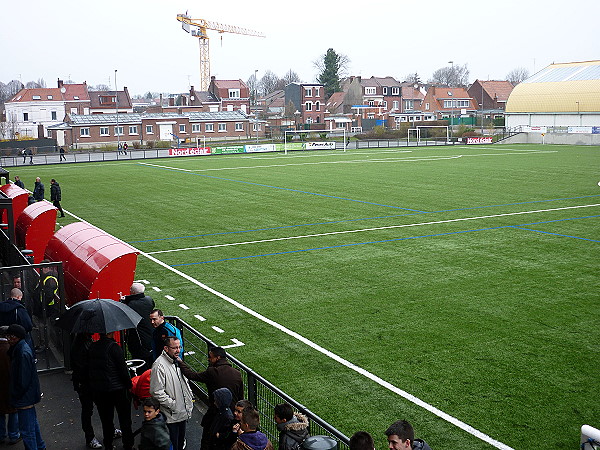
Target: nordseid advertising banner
(190, 151)
(230, 149)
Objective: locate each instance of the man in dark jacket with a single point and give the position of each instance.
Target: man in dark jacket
(13, 311)
(38, 190)
(292, 427)
(218, 375)
(139, 341)
(24, 387)
(110, 382)
(401, 436)
(18, 182)
(56, 196)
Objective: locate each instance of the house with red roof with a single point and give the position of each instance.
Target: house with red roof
(449, 102)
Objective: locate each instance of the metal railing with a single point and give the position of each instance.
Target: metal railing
(263, 394)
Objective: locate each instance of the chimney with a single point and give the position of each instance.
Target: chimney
(60, 83)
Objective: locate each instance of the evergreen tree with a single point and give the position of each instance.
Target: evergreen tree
(330, 71)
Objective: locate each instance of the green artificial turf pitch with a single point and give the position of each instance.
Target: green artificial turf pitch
(464, 276)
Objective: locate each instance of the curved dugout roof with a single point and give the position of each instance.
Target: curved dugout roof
(565, 87)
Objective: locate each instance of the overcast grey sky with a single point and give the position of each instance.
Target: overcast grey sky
(88, 40)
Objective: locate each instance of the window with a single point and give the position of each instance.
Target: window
(50, 97)
(234, 93)
(309, 120)
(385, 105)
(385, 91)
(395, 91)
(53, 115)
(370, 115)
(456, 103)
(409, 104)
(317, 92)
(308, 92)
(317, 106)
(73, 110)
(370, 91)
(196, 128)
(104, 131)
(308, 106)
(75, 97)
(426, 105)
(84, 132)
(209, 127)
(256, 127)
(119, 131)
(36, 97)
(149, 129)
(25, 117)
(230, 107)
(182, 128)
(133, 129)
(371, 103)
(239, 126)
(222, 127)
(107, 100)
(395, 104)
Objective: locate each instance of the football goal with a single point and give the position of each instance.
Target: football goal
(307, 144)
(417, 132)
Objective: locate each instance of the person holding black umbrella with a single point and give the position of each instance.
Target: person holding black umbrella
(110, 383)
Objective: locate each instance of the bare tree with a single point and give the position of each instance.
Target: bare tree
(268, 83)
(453, 76)
(517, 75)
(7, 91)
(290, 77)
(413, 78)
(99, 87)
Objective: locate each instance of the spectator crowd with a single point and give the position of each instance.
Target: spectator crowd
(159, 384)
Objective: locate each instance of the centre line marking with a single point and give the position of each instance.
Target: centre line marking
(436, 222)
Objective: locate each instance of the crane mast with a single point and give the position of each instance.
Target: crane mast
(199, 30)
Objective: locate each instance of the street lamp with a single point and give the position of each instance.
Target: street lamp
(117, 108)
(451, 100)
(255, 84)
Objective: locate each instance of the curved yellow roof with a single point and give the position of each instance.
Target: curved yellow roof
(566, 87)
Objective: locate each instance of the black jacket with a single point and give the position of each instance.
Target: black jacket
(107, 369)
(38, 191)
(155, 434)
(218, 375)
(140, 343)
(55, 194)
(12, 311)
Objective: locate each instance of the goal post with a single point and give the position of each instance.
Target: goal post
(418, 128)
(307, 132)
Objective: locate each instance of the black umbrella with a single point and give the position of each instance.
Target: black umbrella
(98, 316)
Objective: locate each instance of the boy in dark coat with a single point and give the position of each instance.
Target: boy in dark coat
(251, 438)
(292, 427)
(154, 431)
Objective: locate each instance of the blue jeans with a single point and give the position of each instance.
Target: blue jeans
(30, 429)
(9, 428)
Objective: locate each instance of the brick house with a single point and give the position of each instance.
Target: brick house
(84, 131)
(491, 96)
(309, 100)
(233, 94)
(445, 103)
(31, 111)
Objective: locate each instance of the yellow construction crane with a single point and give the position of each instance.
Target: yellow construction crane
(199, 31)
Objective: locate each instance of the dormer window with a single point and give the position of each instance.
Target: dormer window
(75, 97)
(370, 91)
(234, 93)
(50, 97)
(36, 97)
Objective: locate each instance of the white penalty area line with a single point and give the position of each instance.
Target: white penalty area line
(417, 401)
(390, 227)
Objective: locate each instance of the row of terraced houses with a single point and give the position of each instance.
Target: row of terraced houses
(79, 117)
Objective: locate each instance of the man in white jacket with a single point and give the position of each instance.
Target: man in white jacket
(171, 389)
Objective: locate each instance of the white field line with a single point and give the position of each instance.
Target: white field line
(417, 401)
(351, 161)
(436, 222)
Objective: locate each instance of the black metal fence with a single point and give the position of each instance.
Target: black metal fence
(263, 394)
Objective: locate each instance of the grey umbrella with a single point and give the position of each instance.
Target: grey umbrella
(98, 316)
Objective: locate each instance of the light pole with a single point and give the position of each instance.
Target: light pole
(117, 108)
(578, 113)
(451, 99)
(255, 84)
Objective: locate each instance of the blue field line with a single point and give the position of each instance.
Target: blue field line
(288, 189)
(556, 234)
(352, 220)
(520, 227)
